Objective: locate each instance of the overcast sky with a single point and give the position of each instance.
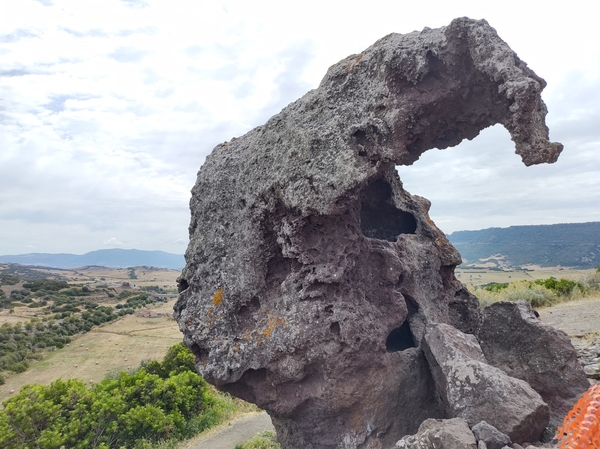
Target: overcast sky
(109, 107)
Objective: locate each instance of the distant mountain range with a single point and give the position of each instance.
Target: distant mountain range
(112, 258)
(568, 245)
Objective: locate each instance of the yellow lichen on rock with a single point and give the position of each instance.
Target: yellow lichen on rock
(218, 297)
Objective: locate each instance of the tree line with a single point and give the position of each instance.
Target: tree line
(66, 310)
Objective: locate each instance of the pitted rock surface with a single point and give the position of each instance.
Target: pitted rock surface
(311, 273)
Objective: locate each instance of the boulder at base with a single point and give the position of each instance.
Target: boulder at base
(475, 391)
(522, 346)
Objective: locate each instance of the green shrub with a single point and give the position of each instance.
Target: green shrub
(263, 440)
(8, 279)
(562, 287)
(128, 410)
(495, 286)
(125, 294)
(535, 294)
(19, 294)
(45, 284)
(591, 283)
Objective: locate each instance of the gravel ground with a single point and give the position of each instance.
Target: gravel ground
(581, 322)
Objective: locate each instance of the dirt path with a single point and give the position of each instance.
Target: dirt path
(235, 432)
(576, 318)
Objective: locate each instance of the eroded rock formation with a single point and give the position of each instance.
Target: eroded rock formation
(312, 276)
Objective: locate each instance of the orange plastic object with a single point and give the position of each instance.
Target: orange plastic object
(581, 427)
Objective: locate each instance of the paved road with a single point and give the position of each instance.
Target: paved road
(238, 432)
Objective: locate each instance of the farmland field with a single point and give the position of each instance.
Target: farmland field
(476, 276)
(120, 345)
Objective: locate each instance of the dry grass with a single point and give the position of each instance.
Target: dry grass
(95, 275)
(106, 349)
(480, 277)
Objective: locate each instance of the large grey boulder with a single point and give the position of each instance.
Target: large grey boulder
(475, 391)
(311, 273)
(522, 346)
(440, 434)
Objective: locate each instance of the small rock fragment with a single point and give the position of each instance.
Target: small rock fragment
(440, 434)
(493, 438)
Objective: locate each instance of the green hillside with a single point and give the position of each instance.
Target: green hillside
(568, 245)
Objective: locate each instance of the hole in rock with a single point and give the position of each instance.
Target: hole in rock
(201, 354)
(247, 310)
(379, 218)
(400, 338)
(335, 328)
(182, 285)
(278, 268)
(360, 136)
(246, 387)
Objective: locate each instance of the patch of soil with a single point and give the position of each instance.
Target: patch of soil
(577, 319)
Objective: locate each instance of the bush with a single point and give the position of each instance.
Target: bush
(129, 410)
(495, 286)
(562, 287)
(263, 440)
(8, 279)
(50, 285)
(19, 294)
(535, 294)
(591, 282)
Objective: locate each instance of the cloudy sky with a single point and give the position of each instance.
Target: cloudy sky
(109, 107)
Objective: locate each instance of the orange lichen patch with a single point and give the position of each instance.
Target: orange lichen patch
(218, 297)
(352, 64)
(273, 322)
(581, 427)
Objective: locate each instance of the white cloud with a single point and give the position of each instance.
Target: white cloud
(112, 243)
(108, 109)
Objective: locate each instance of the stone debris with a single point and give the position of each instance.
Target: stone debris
(312, 276)
(475, 391)
(524, 347)
(588, 351)
(490, 436)
(440, 433)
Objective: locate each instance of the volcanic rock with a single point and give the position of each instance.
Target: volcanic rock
(493, 438)
(522, 346)
(440, 434)
(475, 391)
(311, 274)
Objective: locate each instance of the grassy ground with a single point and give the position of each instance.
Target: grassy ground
(110, 348)
(482, 276)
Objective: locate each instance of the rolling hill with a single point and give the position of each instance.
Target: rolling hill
(112, 258)
(567, 245)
